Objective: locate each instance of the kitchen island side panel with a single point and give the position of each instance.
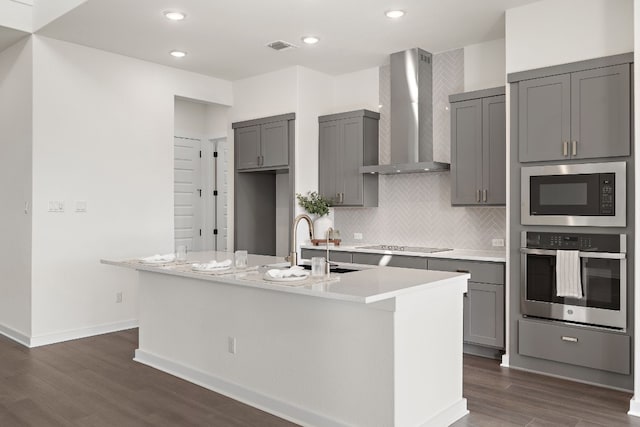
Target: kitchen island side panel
(311, 360)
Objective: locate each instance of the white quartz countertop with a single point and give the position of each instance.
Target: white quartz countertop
(368, 285)
(463, 254)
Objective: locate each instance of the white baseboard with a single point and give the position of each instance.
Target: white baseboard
(449, 416)
(634, 407)
(14, 335)
(75, 334)
(237, 392)
(505, 360)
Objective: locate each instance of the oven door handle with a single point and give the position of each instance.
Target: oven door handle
(605, 255)
(538, 251)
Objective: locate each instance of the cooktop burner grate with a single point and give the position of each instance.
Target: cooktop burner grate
(398, 248)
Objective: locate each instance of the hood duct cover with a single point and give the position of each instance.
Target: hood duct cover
(411, 115)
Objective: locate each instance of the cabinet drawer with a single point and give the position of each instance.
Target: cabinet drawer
(392, 261)
(483, 272)
(576, 346)
(337, 256)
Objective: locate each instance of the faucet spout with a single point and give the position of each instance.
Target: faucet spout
(293, 255)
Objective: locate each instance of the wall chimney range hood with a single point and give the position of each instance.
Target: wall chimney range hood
(411, 116)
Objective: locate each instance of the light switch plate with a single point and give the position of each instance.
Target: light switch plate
(357, 236)
(56, 205)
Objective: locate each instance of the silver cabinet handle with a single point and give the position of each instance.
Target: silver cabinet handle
(565, 148)
(574, 148)
(341, 197)
(478, 196)
(569, 339)
(258, 160)
(484, 195)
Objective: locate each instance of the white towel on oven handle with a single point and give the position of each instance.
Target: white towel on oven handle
(568, 283)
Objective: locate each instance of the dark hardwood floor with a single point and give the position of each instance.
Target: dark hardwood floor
(94, 382)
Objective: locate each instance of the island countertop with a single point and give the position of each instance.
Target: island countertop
(367, 285)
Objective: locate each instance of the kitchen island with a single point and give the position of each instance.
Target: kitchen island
(377, 347)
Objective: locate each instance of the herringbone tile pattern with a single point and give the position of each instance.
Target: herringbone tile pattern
(415, 209)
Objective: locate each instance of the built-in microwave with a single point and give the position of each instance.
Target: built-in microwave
(586, 194)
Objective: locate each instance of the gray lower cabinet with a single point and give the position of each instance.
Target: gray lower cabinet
(484, 301)
(484, 315)
(348, 141)
(478, 148)
(262, 143)
(575, 345)
(578, 115)
(337, 256)
(390, 260)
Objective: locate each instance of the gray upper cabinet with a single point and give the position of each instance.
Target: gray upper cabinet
(348, 141)
(577, 115)
(262, 143)
(478, 148)
(247, 145)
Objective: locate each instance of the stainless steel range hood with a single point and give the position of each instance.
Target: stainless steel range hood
(411, 116)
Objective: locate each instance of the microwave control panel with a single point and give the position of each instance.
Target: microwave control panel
(607, 194)
(574, 241)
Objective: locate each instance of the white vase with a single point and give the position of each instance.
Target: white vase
(320, 226)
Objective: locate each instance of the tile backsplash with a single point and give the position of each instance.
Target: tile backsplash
(415, 209)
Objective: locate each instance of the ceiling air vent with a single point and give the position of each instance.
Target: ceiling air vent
(281, 45)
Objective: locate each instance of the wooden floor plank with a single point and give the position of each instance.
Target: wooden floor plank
(94, 382)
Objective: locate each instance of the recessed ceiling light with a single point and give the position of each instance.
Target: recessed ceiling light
(310, 39)
(178, 54)
(174, 15)
(394, 14)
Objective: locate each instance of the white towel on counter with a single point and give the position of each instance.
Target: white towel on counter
(159, 258)
(568, 283)
(296, 271)
(212, 265)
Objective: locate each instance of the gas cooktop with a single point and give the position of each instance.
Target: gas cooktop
(419, 249)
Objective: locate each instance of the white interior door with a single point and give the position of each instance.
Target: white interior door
(222, 198)
(187, 193)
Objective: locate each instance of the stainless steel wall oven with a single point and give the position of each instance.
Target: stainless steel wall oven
(587, 194)
(602, 270)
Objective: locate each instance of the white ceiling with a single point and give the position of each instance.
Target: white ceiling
(227, 38)
(9, 36)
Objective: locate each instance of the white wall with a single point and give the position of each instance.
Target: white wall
(16, 67)
(552, 32)
(265, 95)
(103, 133)
(16, 15)
(357, 90)
(484, 65)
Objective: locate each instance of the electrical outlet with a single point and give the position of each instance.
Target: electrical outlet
(497, 242)
(231, 342)
(357, 236)
(118, 297)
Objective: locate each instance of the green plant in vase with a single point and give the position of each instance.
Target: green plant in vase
(317, 206)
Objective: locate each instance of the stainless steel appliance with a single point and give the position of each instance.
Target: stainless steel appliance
(603, 272)
(588, 194)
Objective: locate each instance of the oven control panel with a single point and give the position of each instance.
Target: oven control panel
(574, 241)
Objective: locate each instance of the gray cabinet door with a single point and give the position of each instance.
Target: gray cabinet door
(600, 112)
(484, 315)
(274, 141)
(390, 260)
(544, 118)
(247, 146)
(351, 155)
(466, 152)
(494, 150)
(329, 144)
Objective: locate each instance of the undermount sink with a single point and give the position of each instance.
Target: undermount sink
(335, 269)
